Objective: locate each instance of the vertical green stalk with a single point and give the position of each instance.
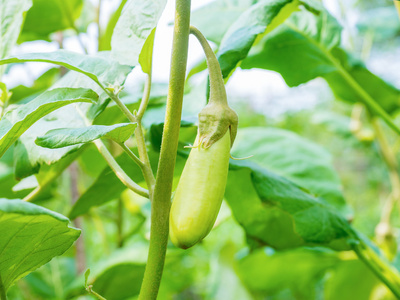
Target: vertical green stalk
(161, 203)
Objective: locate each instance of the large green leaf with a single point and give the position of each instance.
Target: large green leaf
(276, 212)
(63, 137)
(17, 121)
(137, 20)
(297, 159)
(101, 68)
(344, 281)
(267, 272)
(48, 16)
(12, 15)
(110, 277)
(315, 41)
(259, 19)
(31, 236)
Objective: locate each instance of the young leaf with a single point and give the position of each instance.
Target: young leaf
(11, 20)
(63, 137)
(105, 40)
(146, 55)
(137, 20)
(30, 237)
(102, 69)
(17, 121)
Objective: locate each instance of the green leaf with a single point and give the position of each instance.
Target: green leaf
(17, 121)
(316, 40)
(29, 156)
(297, 159)
(111, 277)
(225, 12)
(134, 26)
(267, 272)
(105, 39)
(31, 236)
(343, 282)
(112, 282)
(102, 69)
(59, 15)
(63, 137)
(146, 55)
(12, 17)
(276, 212)
(254, 21)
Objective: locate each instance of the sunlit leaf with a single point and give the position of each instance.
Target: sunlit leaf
(276, 212)
(257, 20)
(102, 69)
(134, 26)
(17, 121)
(299, 160)
(60, 15)
(12, 15)
(31, 236)
(62, 137)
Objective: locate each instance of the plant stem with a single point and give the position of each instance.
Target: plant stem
(217, 85)
(146, 168)
(383, 271)
(145, 97)
(125, 179)
(366, 98)
(161, 203)
(144, 157)
(121, 105)
(132, 155)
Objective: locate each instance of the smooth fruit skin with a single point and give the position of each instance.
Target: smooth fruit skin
(199, 194)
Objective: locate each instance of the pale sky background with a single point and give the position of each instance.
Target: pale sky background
(265, 90)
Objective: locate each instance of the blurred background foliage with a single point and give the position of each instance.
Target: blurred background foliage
(226, 265)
